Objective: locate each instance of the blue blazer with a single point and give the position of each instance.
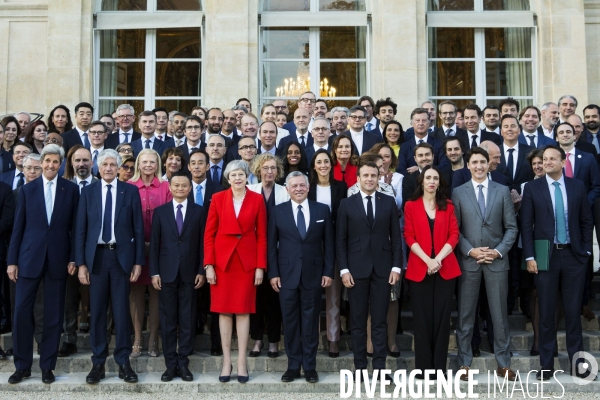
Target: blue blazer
(291, 127)
(370, 139)
(33, 240)
(406, 157)
(586, 170)
(292, 137)
(537, 217)
(293, 259)
(542, 141)
(376, 130)
(9, 178)
(158, 146)
(128, 225)
(8, 163)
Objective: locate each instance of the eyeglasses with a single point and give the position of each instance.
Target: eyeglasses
(96, 133)
(306, 100)
(51, 141)
(356, 117)
(29, 168)
(280, 107)
(320, 129)
(217, 145)
(193, 128)
(267, 169)
(126, 150)
(367, 106)
(126, 116)
(128, 168)
(248, 147)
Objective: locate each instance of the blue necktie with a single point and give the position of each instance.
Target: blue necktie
(199, 199)
(301, 223)
(369, 126)
(302, 142)
(531, 140)
(95, 166)
(147, 143)
(126, 137)
(21, 181)
(595, 142)
(86, 141)
(179, 219)
(215, 173)
(481, 201)
(510, 164)
(559, 210)
(49, 201)
(107, 221)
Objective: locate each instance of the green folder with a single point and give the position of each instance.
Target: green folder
(542, 255)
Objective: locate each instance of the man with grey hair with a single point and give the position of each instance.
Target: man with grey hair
(339, 122)
(308, 251)
(44, 212)
(126, 117)
(24, 119)
(550, 117)
(320, 134)
(109, 250)
(567, 105)
(428, 105)
(177, 127)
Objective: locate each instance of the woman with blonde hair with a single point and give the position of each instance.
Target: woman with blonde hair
(154, 192)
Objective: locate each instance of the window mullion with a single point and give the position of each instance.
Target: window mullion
(314, 62)
(150, 86)
(151, 5)
(478, 5)
(480, 87)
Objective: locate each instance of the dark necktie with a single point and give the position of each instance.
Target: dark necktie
(107, 221)
(86, 141)
(126, 137)
(82, 183)
(531, 141)
(370, 217)
(215, 173)
(147, 144)
(21, 180)
(420, 141)
(449, 132)
(160, 137)
(510, 163)
(301, 223)
(95, 166)
(179, 219)
(302, 142)
(474, 141)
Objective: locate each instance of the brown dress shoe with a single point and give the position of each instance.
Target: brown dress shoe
(587, 313)
(465, 377)
(506, 372)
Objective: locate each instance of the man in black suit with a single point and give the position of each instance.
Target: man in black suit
(162, 120)
(216, 147)
(125, 134)
(193, 127)
(369, 252)
(473, 136)
(363, 140)
(544, 216)
(579, 136)
(491, 119)
(148, 140)
(228, 129)
(454, 152)
(84, 113)
(339, 122)
(320, 134)
(549, 119)
(176, 127)
(301, 263)
(41, 249)
(431, 109)
(530, 121)
(176, 255)
(447, 113)
(423, 156)
(385, 110)
(248, 128)
(513, 155)
(109, 252)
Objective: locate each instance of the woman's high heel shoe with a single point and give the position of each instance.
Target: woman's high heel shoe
(153, 348)
(226, 378)
(137, 348)
(244, 379)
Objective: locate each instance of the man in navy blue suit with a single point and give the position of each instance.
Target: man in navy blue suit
(430, 107)
(513, 155)
(530, 121)
(301, 133)
(555, 208)
(301, 263)
(125, 115)
(41, 249)
(148, 140)
(15, 178)
(84, 114)
(306, 101)
(110, 253)
(473, 136)
(176, 255)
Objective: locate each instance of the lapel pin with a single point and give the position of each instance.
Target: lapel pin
(578, 155)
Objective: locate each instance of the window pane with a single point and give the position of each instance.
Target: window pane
(285, 78)
(508, 43)
(452, 78)
(123, 43)
(506, 5)
(184, 106)
(180, 5)
(451, 43)
(509, 78)
(522, 102)
(286, 5)
(343, 79)
(343, 42)
(178, 43)
(342, 5)
(122, 78)
(109, 106)
(124, 5)
(451, 5)
(178, 79)
(285, 43)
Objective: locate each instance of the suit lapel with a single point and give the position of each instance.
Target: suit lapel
(171, 221)
(548, 199)
(189, 214)
(570, 200)
(41, 199)
(577, 162)
(58, 199)
(360, 206)
(489, 204)
(289, 213)
(378, 205)
(119, 198)
(313, 219)
(471, 195)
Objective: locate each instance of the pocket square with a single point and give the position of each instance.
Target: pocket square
(321, 220)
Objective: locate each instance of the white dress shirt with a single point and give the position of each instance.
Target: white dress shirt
(179, 142)
(190, 147)
(122, 135)
(317, 148)
(152, 139)
(298, 135)
(357, 138)
(478, 140)
(505, 148)
(571, 157)
(183, 208)
(548, 132)
(305, 211)
(535, 137)
(159, 135)
(263, 150)
(113, 192)
(16, 178)
(81, 134)
(423, 139)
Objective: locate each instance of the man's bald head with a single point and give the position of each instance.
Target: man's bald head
(493, 151)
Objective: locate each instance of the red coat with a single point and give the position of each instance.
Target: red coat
(348, 176)
(416, 230)
(247, 234)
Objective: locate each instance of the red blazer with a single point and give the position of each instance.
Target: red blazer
(348, 176)
(416, 230)
(246, 234)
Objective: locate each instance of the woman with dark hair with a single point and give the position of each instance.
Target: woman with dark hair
(12, 132)
(345, 160)
(173, 161)
(127, 168)
(326, 190)
(431, 233)
(393, 135)
(388, 171)
(294, 159)
(35, 134)
(59, 119)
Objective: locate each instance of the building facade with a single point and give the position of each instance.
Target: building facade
(181, 53)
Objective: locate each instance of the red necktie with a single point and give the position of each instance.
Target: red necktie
(569, 167)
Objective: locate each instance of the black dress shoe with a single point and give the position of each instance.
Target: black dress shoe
(39, 349)
(5, 329)
(544, 374)
(216, 350)
(311, 376)
(185, 374)
(534, 353)
(169, 374)
(273, 354)
(555, 354)
(9, 352)
(2, 354)
(256, 353)
(475, 350)
(334, 355)
(127, 373)
(290, 375)
(96, 374)
(369, 354)
(67, 349)
(19, 375)
(226, 378)
(395, 354)
(47, 376)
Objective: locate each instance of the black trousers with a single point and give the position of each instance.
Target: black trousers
(268, 312)
(432, 304)
(369, 294)
(176, 304)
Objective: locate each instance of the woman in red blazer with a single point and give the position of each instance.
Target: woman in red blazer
(235, 258)
(431, 233)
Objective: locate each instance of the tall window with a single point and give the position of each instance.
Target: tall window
(481, 51)
(148, 54)
(316, 45)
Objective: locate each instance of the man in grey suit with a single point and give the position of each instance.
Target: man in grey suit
(488, 229)
(81, 163)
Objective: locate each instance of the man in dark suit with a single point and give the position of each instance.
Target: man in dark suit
(301, 263)
(339, 122)
(216, 147)
(369, 252)
(363, 140)
(423, 156)
(6, 160)
(385, 110)
(267, 134)
(193, 126)
(300, 134)
(579, 136)
(464, 175)
(544, 216)
(148, 140)
(16, 177)
(306, 101)
(372, 123)
(447, 113)
(125, 115)
(110, 253)
(40, 248)
(473, 136)
(530, 121)
(84, 114)
(320, 134)
(591, 116)
(176, 256)
(513, 155)
(430, 107)
(550, 117)
(7, 214)
(248, 128)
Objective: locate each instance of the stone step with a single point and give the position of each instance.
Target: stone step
(204, 363)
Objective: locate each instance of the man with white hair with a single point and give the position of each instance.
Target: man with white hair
(126, 134)
(567, 105)
(24, 119)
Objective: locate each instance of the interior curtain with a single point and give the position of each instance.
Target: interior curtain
(518, 45)
(108, 70)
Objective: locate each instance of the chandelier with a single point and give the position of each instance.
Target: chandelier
(294, 88)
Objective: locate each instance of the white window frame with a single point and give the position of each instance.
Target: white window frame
(479, 20)
(149, 20)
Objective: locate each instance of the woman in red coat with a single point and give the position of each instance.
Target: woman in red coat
(235, 258)
(431, 233)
